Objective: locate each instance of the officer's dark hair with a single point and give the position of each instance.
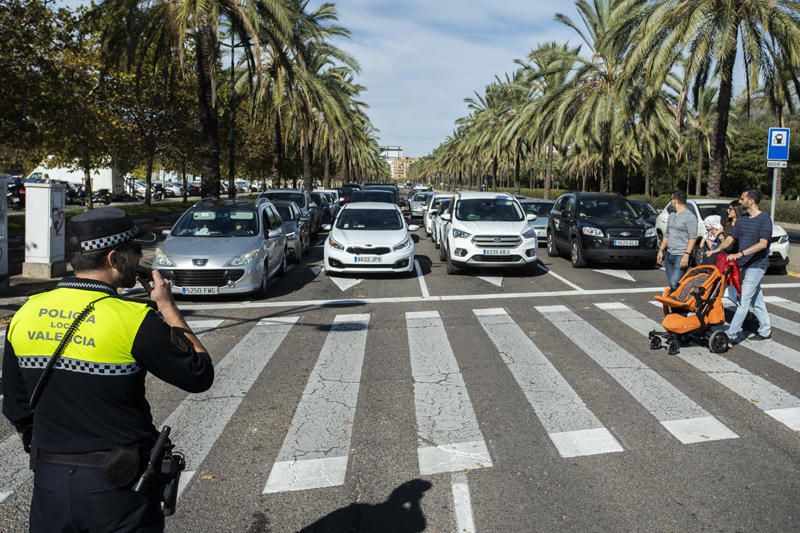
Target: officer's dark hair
(679, 196)
(754, 195)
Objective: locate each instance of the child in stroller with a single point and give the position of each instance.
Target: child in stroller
(691, 309)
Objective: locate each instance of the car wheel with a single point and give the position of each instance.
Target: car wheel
(576, 254)
(552, 248)
(262, 288)
(284, 261)
(452, 269)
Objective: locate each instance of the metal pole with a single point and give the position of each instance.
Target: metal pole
(774, 201)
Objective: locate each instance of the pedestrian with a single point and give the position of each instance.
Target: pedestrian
(91, 431)
(752, 233)
(733, 213)
(679, 239)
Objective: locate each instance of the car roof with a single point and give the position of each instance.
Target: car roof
(292, 191)
(210, 203)
(711, 201)
(535, 201)
(371, 205)
(471, 195)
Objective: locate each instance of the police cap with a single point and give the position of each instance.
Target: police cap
(102, 229)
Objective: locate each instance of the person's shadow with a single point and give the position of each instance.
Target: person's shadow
(400, 513)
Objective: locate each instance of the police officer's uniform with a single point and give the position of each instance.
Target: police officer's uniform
(93, 406)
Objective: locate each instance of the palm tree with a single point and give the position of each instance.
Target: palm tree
(712, 32)
(193, 24)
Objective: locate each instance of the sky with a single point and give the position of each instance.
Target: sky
(421, 58)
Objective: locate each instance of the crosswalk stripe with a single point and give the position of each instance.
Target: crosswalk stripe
(14, 468)
(573, 428)
(315, 451)
(199, 419)
(770, 349)
(773, 400)
(450, 439)
(783, 303)
(201, 327)
(687, 421)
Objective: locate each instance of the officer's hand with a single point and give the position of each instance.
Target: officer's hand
(26, 437)
(160, 291)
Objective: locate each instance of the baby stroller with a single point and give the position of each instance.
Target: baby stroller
(691, 309)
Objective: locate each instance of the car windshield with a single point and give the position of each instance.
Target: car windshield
(489, 210)
(645, 209)
(605, 207)
(707, 210)
(372, 196)
(421, 197)
(370, 220)
(540, 209)
(285, 212)
(444, 205)
(296, 197)
(217, 223)
(319, 198)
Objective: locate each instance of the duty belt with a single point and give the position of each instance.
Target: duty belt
(90, 459)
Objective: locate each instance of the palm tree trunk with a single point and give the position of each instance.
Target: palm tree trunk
(605, 177)
(517, 184)
(277, 148)
(87, 178)
(183, 179)
(717, 165)
(548, 175)
(648, 172)
(308, 181)
(698, 184)
(494, 173)
(346, 169)
(148, 177)
(209, 121)
(326, 168)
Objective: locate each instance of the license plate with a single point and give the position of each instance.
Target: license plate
(200, 290)
(367, 259)
(496, 252)
(626, 243)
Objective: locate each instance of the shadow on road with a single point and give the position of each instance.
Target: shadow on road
(400, 513)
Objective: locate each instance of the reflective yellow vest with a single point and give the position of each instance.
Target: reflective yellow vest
(102, 343)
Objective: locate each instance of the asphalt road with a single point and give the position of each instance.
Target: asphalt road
(488, 401)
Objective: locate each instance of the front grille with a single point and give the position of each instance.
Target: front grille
(497, 241)
(356, 250)
(496, 258)
(631, 233)
(204, 277)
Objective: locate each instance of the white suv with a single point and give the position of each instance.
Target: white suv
(488, 230)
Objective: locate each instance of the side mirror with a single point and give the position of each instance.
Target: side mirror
(531, 217)
(274, 233)
(312, 205)
(446, 216)
(341, 201)
(424, 208)
(165, 233)
(304, 218)
(413, 227)
(326, 227)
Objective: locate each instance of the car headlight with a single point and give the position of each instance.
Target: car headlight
(245, 258)
(651, 232)
(592, 232)
(784, 239)
(403, 245)
(161, 259)
(458, 234)
(529, 234)
(335, 245)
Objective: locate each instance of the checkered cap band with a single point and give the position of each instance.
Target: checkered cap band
(109, 242)
(84, 367)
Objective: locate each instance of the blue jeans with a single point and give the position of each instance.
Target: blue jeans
(672, 264)
(751, 295)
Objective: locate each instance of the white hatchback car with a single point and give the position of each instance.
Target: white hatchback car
(779, 244)
(488, 230)
(369, 237)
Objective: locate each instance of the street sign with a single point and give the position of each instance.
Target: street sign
(776, 164)
(778, 144)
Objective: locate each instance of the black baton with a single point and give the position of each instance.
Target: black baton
(155, 457)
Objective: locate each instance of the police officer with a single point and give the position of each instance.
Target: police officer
(92, 429)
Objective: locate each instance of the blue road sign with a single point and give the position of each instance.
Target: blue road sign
(778, 144)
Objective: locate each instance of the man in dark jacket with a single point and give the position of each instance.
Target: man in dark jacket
(91, 431)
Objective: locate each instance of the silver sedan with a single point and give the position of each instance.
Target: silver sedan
(223, 247)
